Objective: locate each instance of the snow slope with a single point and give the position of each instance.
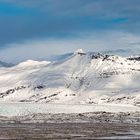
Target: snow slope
(80, 78)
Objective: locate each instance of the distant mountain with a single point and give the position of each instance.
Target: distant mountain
(75, 78)
(122, 52)
(3, 64)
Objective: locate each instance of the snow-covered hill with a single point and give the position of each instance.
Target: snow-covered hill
(80, 78)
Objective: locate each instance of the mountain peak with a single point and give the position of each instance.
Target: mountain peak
(79, 51)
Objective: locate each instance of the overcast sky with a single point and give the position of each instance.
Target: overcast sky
(37, 29)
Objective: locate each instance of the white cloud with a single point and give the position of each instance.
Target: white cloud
(42, 49)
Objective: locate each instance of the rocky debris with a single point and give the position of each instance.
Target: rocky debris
(10, 91)
(95, 117)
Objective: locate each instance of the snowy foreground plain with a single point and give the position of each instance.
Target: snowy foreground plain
(64, 121)
(60, 121)
(20, 109)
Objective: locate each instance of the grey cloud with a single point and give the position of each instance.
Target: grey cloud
(105, 8)
(66, 17)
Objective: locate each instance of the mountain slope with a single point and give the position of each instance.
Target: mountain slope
(84, 78)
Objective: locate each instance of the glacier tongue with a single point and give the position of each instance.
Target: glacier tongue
(84, 78)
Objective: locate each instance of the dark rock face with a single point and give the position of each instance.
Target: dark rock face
(10, 91)
(134, 58)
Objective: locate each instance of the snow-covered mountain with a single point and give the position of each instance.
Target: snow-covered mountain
(80, 78)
